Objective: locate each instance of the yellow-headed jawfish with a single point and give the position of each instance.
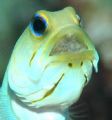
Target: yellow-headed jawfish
(51, 63)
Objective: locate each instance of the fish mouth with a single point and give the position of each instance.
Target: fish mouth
(68, 44)
(71, 45)
(70, 48)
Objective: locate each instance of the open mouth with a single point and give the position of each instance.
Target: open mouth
(69, 48)
(68, 44)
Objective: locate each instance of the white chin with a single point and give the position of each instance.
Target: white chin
(66, 92)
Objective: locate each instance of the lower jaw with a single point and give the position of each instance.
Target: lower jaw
(72, 57)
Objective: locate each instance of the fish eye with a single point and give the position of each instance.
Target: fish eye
(38, 25)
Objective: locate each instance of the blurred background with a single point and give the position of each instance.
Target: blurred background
(96, 16)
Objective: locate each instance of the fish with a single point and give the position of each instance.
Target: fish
(50, 65)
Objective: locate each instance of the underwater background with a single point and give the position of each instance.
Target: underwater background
(96, 16)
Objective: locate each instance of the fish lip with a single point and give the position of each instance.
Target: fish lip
(73, 56)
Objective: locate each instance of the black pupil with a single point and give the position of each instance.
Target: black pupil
(39, 25)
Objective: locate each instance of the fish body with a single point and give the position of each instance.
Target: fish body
(51, 63)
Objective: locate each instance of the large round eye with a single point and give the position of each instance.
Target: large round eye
(38, 25)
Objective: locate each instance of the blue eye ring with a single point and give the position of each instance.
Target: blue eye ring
(38, 25)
